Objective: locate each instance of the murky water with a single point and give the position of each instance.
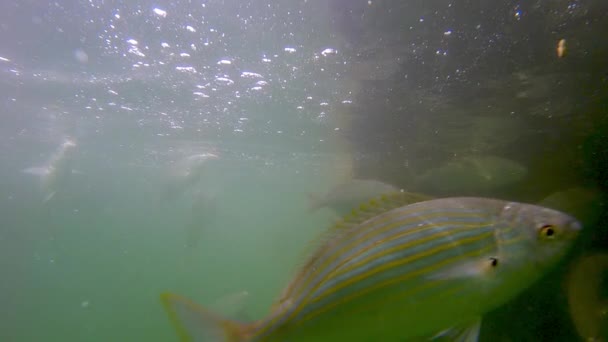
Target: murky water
(293, 98)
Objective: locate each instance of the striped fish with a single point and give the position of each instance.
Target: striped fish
(396, 273)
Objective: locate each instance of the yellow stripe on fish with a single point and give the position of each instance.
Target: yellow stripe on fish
(431, 268)
(411, 220)
(370, 230)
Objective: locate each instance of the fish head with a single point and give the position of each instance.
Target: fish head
(550, 232)
(530, 241)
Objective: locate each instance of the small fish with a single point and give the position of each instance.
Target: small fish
(345, 196)
(185, 174)
(204, 213)
(386, 272)
(56, 170)
(561, 48)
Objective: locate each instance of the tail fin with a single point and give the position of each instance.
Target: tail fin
(194, 323)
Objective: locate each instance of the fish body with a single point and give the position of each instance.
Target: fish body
(186, 174)
(204, 213)
(423, 270)
(56, 170)
(345, 196)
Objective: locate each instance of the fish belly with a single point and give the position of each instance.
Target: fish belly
(398, 313)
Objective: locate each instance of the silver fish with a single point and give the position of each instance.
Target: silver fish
(429, 270)
(203, 214)
(185, 174)
(59, 167)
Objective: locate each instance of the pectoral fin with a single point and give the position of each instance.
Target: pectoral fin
(470, 269)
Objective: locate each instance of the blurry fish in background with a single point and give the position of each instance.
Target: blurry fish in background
(587, 288)
(185, 174)
(584, 203)
(347, 195)
(204, 214)
(232, 305)
(55, 172)
(470, 175)
(387, 272)
(561, 48)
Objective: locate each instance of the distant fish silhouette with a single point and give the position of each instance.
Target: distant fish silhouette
(185, 174)
(204, 213)
(57, 169)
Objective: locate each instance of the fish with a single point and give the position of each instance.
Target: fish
(203, 214)
(391, 272)
(587, 300)
(347, 195)
(185, 174)
(59, 167)
(561, 48)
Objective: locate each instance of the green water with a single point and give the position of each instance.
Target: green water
(282, 91)
(87, 271)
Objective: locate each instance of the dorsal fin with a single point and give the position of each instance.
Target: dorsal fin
(326, 240)
(376, 206)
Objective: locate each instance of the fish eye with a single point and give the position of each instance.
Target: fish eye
(547, 231)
